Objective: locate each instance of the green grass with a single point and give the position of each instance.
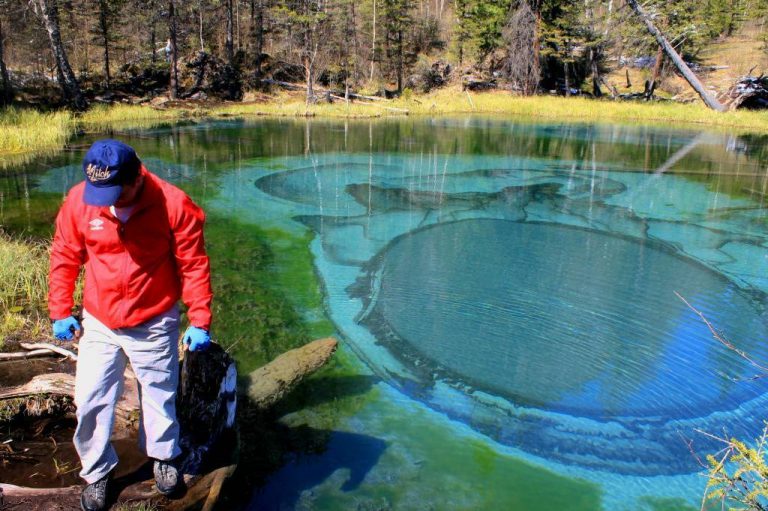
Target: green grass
(23, 289)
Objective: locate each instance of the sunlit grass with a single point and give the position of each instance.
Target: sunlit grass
(24, 130)
(23, 289)
(99, 117)
(454, 101)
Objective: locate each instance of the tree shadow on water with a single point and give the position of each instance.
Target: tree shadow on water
(324, 389)
(284, 460)
(355, 453)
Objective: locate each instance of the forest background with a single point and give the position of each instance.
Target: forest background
(54, 52)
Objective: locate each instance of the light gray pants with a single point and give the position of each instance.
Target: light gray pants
(152, 349)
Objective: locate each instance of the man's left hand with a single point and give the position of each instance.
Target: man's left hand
(198, 339)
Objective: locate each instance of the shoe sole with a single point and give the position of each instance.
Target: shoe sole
(83, 508)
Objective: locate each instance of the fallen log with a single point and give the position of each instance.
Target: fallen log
(390, 108)
(748, 92)
(681, 66)
(206, 407)
(293, 86)
(269, 384)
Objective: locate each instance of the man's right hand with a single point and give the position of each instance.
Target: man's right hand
(66, 329)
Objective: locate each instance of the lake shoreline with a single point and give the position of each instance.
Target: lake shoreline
(28, 133)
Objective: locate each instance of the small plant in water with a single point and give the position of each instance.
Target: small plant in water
(738, 475)
(64, 468)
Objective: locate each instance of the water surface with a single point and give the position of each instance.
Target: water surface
(508, 288)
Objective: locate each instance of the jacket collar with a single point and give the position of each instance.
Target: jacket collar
(149, 196)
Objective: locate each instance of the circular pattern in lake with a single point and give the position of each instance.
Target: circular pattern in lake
(565, 319)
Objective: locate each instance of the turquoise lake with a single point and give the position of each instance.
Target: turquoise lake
(510, 293)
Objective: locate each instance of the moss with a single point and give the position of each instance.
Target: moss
(662, 504)
(11, 408)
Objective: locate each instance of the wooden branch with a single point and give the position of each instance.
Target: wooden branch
(270, 383)
(724, 341)
(399, 110)
(20, 355)
(49, 346)
(293, 86)
(689, 75)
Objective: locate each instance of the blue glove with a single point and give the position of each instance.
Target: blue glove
(197, 338)
(64, 329)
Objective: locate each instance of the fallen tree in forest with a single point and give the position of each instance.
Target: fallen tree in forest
(206, 412)
(748, 92)
(681, 66)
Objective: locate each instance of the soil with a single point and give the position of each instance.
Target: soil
(38, 452)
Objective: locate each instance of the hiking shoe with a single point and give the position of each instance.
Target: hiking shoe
(167, 477)
(94, 496)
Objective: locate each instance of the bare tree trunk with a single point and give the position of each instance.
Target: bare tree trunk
(657, 68)
(355, 50)
(200, 24)
(595, 51)
(595, 68)
(689, 75)
(153, 43)
(6, 92)
(230, 44)
(373, 42)
(104, 28)
(535, 49)
(67, 80)
(173, 86)
(257, 33)
(399, 61)
(309, 73)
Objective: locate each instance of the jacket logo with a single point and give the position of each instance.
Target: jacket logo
(96, 224)
(96, 173)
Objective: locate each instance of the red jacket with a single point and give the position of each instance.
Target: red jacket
(136, 270)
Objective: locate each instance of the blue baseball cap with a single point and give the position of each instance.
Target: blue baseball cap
(107, 166)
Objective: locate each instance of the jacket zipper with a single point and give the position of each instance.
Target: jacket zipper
(124, 276)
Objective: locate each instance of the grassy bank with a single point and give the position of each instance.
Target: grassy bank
(27, 132)
(23, 289)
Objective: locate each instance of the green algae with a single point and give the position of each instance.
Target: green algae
(662, 504)
(427, 464)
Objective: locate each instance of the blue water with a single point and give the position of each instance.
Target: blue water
(534, 300)
(511, 289)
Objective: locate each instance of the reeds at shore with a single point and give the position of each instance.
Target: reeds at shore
(26, 130)
(23, 289)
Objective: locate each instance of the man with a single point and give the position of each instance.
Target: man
(141, 242)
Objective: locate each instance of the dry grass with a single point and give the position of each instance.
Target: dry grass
(23, 130)
(453, 101)
(737, 55)
(740, 53)
(129, 116)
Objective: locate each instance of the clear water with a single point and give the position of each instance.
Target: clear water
(512, 287)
